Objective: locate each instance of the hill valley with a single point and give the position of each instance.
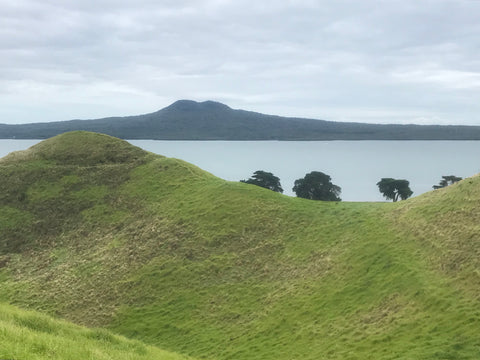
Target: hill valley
(106, 235)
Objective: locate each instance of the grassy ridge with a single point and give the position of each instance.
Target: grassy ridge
(29, 335)
(159, 250)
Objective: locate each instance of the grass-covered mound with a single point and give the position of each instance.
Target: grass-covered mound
(78, 148)
(29, 335)
(159, 250)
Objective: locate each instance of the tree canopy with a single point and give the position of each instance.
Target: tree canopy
(447, 180)
(317, 186)
(393, 189)
(266, 180)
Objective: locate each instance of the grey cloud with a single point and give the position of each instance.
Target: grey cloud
(377, 61)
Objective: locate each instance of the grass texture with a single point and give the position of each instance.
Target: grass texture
(30, 335)
(107, 235)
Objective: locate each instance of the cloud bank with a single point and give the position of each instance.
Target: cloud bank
(371, 61)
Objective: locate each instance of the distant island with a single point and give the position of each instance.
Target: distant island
(209, 120)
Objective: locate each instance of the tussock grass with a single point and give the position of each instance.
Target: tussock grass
(158, 250)
(79, 148)
(29, 335)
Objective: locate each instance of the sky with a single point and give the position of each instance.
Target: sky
(406, 61)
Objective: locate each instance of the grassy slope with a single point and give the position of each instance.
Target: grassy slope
(159, 250)
(29, 335)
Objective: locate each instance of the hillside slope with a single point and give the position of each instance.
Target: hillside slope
(29, 335)
(209, 120)
(105, 234)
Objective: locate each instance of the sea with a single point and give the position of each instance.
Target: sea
(355, 166)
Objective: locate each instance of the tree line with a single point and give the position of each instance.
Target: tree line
(318, 186)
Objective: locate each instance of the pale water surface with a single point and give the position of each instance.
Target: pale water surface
(356, 166)
(7, 146)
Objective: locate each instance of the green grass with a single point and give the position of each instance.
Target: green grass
(29, 335)
(79, 148)
(158, 250)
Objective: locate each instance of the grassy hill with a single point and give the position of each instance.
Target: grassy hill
(209, 120)
(105, 234)
(29, 335)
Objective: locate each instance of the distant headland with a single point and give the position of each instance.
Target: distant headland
(210, 120)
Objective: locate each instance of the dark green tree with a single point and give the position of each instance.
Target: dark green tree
(317, 186)
(447, 180)
(266, 180)
(393, 189)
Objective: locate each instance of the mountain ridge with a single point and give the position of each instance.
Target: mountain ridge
(210, 120)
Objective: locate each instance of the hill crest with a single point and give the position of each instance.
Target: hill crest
(191, 105)
(161, 251)
(79, 148)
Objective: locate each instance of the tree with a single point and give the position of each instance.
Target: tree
(317, 186)
(447, 180)
(266, 180)
(394, 189)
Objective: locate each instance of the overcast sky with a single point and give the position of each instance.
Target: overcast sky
(406, 61)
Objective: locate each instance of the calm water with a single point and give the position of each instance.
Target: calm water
(7, 146)
(355, 166)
